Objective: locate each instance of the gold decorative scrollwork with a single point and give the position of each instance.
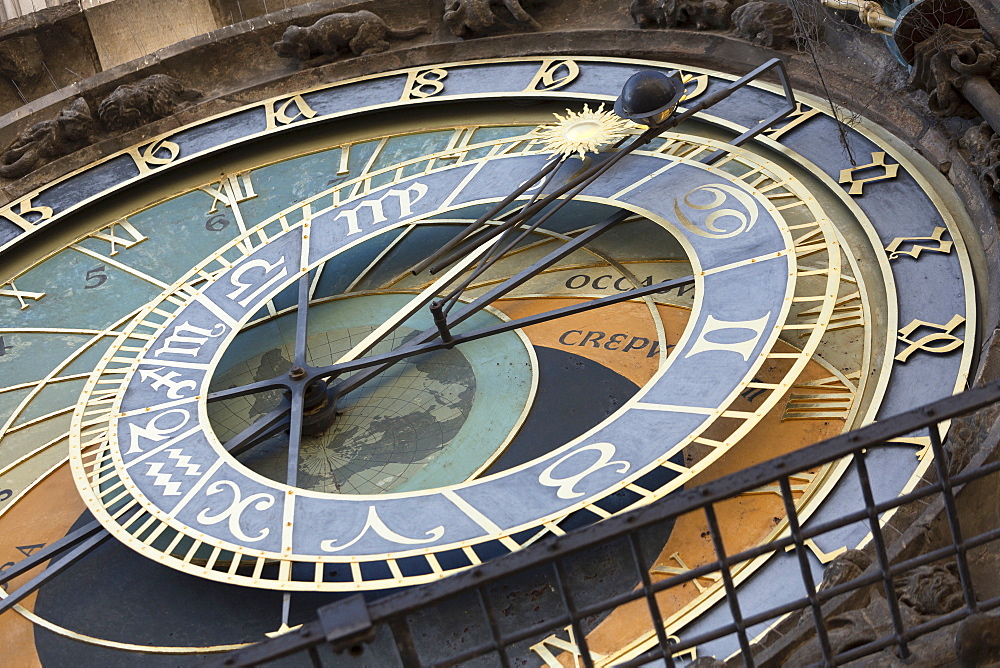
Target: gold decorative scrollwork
(720, 193)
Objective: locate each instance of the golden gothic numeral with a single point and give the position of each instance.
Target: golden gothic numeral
(286, 111)
(424, 83)
(792, 121)
(700, 82)
(944, 336)
(18, 211)
(554, 74)
(154, 154)
(889, 171)
(942, 246)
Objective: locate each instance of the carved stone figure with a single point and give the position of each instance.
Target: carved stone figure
(21, 59)
(924, 593)
(359, 33)
(977, 642)
(983, 146)
(696, 14)
(476, 18)
(943, 63)
(765, 23)
(43, 142)
(148, 100)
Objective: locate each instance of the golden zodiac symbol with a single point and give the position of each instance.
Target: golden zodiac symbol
(720, 193)
(878, 160)
(914, 252)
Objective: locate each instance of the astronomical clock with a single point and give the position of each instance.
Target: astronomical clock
(314, 346)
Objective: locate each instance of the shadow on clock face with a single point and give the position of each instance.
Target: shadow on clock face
(119, 595)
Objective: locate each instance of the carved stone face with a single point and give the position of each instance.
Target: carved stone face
(291, 43)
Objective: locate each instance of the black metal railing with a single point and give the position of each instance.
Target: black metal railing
(416, 627)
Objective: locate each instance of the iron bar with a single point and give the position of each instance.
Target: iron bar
(881, 554)
(654, 607)
(730, 586)
(484, 601)
(393, 608)
(53, 569)
(480, 222)
(404, 352)
(954, 526)
(804, 568)
(495, 293)
(51, 551)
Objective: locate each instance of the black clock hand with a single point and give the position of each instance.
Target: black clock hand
(576, 184)
(384, 360)
(483, 300)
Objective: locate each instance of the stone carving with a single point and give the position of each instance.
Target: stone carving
(983, 146)
(924, 593)
(945, 61)
(931, 590)
(766, 23)
(359, 33)
(148, 100)
(476, 18)
(977, 642)
(21, 60)
(846, 567)
(696, 14)
(43, 142)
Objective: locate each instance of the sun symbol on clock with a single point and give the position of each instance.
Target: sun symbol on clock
(583, 132)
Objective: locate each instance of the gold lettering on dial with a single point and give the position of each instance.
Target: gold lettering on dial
(154, 154)
(286, 111)
(374, 523)
(566, 484)
(187, 339)
(681, 568)
(848, 311)
(17, 212)
(229, 190)
(824, 557)
(742, 348)
(20, 295)
(421, 84)
(554, 641)
(405, 197)
(889, 171)
(554, 74)
(238, 506)
(822, 399)
(113, 234)
(798, 482)
(793, 120)
(237, 279)
(944, 336)
(942, 246)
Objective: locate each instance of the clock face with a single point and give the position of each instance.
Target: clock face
(157, 362)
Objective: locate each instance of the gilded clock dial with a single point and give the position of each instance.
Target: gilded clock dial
(123, 328)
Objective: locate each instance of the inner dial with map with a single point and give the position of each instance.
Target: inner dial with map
(155, 336)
